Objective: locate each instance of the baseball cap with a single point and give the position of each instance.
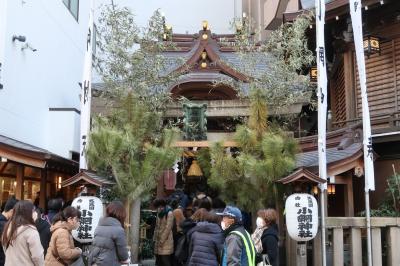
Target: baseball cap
(233, 212)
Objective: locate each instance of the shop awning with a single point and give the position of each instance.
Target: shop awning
(27, 154)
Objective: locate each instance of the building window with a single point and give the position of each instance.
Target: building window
(73, 7)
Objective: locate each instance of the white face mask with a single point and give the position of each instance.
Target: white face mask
(223, 225)
(260, 222)
(34, 216)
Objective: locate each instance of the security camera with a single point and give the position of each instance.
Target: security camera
(28, 46)
(18, 38)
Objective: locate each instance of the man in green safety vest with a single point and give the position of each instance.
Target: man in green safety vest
(238, 247)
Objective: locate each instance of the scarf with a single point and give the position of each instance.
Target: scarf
(164, 212)
(256, 237)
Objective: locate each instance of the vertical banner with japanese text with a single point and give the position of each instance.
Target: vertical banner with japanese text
(86, 92)
(321, 87)
(356, 19)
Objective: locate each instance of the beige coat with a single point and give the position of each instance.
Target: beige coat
(164, 242)
(61, 243)
(26, 249)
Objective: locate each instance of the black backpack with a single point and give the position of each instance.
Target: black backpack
(182, 249)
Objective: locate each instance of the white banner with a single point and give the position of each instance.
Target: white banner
(86, 92)
(355, 11)
(322, 91)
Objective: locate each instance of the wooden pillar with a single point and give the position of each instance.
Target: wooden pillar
(338, 247)
(376, 247)
(317, 249)
(19, 189)
(348, 197)
(356, 249)
(291, 247)
(350, 88)
(43, 189)
(301, 254)
(393, 240)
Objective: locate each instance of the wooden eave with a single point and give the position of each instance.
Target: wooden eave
(202, 144)
(33, 158)
(84, 176)
(301, 175)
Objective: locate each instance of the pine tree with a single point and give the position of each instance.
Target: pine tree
(266, 154)
(129, 143)
(130, 146)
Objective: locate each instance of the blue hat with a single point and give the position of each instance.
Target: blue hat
(232, 212)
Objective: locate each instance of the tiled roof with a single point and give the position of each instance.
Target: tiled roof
(88, 176)
(310, 159)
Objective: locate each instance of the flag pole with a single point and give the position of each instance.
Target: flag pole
(86, 92)
(356, 21)
(322, 113)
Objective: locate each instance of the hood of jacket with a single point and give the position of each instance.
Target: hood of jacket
(61, 224)
(109, 221)
(206, 227)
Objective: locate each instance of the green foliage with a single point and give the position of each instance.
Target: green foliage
(130, 145)
(283, 57)
(131, 58)
(390, 204)
(248, 179)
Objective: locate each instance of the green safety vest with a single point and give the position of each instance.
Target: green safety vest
(248, 244)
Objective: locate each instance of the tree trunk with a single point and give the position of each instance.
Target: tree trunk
(134, 231)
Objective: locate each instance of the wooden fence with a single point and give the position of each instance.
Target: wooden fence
(346, 243)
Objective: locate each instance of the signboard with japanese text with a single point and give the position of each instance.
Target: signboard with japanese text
(301, 216)
(91, 209)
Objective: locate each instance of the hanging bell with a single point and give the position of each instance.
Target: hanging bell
(194, 169)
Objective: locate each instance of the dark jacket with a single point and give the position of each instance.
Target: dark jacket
(109, 246)
(206, 244)
(43, 228)
(3, 221)
(269, 240)
(50, 216)
(234, 251)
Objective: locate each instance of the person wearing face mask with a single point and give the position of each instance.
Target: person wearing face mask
(61, 250)
(163, 238)
(238, 247)
(265, 237)
(20, 239)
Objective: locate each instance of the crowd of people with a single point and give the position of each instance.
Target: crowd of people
(29, 237)
(213, 235)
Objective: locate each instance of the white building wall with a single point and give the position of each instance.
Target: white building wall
(48, 78)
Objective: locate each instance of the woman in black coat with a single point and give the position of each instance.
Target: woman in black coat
(206, 242)
(109, 246)
(267, 244)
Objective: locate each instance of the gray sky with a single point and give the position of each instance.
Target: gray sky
(187, 15)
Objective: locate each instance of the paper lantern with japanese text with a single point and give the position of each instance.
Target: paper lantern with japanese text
(301, 216)
(91, 209)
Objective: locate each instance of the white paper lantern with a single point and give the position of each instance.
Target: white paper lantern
(91, 211)
(301, 216)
